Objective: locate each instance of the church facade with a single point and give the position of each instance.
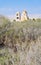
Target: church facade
(21, 17)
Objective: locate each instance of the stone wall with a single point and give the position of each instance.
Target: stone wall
(22, 17)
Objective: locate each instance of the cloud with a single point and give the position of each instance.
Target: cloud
(6, 9)
(34, 15)
(10, 12)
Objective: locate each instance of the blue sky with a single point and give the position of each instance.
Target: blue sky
(10, 7)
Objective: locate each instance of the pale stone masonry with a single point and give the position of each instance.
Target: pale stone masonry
(24, 16)
(21, 17)
(18, 16)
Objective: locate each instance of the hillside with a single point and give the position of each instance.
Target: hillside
(20, 42)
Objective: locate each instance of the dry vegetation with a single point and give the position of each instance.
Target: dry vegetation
(20, 42)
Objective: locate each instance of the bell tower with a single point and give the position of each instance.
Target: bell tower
(18, 16)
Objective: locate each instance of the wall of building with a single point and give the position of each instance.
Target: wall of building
(21, 17)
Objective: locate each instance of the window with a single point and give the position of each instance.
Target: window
(17, 14)
(17, 17)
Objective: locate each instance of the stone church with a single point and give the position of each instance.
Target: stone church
(21, 17)
(18, 16)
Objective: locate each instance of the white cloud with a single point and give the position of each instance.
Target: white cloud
(6, 9)
(34, 15)
(11, 15)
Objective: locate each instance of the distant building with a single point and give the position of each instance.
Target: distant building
(18, 16)
(24, 16)
(21, 17)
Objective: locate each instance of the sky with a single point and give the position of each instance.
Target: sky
(10, 7)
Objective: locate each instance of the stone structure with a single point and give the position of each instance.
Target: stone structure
(24, 16)
(18, 16)
(21, 17)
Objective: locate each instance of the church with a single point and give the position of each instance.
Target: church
(21, 17)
